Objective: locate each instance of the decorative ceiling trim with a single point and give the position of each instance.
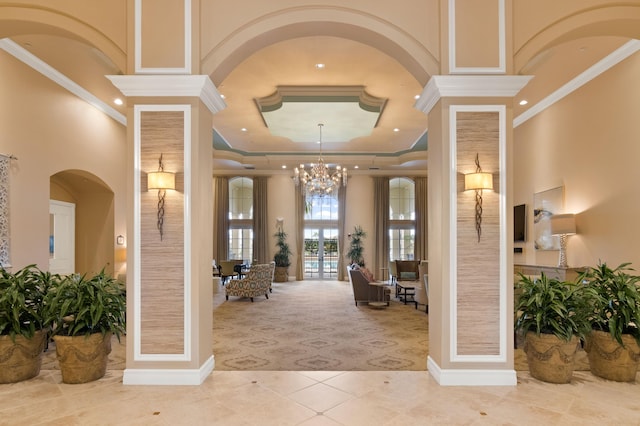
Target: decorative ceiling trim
(23, 55)
(321, 94)
(171, 85)
(469, 86)
(609, 61)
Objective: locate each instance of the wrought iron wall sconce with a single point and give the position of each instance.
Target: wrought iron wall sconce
(478, 182)
(161, 181)
(563, 225)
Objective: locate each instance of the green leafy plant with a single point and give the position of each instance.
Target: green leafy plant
(354, 254)
(21, 300)
(81, 306)
(615, 300)
(548, 305)
(282, 258)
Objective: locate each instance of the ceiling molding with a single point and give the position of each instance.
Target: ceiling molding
(199, 86)
(469, 86)
(57, 77)
(598, 68)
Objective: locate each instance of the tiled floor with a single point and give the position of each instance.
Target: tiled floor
(318, 399)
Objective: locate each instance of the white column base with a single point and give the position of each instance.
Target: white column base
(171, 377)
(471, 377)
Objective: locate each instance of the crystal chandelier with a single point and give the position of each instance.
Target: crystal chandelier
(319, 179)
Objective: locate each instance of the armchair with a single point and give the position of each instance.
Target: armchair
(228, 269)
(362, 290)
(422, 292)
(255, 283)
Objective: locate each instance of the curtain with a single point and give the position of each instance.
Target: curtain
(300, 201)
(260, 229)
(342, 209)
(381, 226)
(421, 250)
(220, 218)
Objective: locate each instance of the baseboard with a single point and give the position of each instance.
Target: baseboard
(471, 377)
(171, 377)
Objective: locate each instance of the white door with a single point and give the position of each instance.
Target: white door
(62, 237)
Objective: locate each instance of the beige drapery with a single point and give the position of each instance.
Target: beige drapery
(342, 208)
(381, 225)
(261, 235)
(421, 249)
(300, 201)
(220, 218)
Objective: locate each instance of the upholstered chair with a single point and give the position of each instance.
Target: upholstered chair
(256, 283)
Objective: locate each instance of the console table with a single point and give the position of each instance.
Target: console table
(562, 274)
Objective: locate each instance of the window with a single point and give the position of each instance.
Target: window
(321, 237)
(402, 219)
(241, 219)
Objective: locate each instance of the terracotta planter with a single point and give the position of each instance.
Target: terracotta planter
(83, 359)
(609, 360)
(281, 274)
(21, 360)
(550, 359)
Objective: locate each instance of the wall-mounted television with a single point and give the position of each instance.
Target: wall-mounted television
(520, 223)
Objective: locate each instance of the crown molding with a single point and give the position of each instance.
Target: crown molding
(199, 86)
(469, 86)
(57, 77)
(598, 68)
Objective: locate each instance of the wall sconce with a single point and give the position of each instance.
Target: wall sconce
(478, 181)
(279, 223)
(563, 225)
(161, 181)
(120, 240)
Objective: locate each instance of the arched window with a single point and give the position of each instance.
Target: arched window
(241, 219)
(402, 219)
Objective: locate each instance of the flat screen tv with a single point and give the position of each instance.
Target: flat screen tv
(520, 223)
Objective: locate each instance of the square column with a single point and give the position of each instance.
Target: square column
(470, 237)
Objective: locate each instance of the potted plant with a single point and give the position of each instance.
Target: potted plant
(613, 346)
(22, 331)
(354, 254)
(553, 315)
(83, 314)
(282, 258)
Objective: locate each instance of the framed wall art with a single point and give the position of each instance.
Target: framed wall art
(546, 204)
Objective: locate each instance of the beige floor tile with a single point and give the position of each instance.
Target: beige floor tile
(320, 397)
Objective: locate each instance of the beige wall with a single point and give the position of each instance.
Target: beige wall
(51, 130)
(587, 142)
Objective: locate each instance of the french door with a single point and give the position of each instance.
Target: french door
(320, 253)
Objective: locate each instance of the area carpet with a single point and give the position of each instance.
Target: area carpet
(311, 325)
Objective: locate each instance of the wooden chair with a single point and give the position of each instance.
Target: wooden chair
(228, 270)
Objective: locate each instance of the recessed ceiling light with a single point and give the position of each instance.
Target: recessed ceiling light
(396, 130)
(118, 101)
(244, 129)
(416, 97)
(356, 167)
(524, 102)
(319, 66)
(222, 96)
(284, 166)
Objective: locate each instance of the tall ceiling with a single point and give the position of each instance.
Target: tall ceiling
(241, 137)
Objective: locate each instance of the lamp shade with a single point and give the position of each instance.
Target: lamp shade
(563, 224)
(478, 180)
(161, 180)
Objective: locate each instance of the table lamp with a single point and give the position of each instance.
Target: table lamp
(563, 225)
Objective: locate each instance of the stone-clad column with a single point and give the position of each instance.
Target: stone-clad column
(169, 110)
(470, 243)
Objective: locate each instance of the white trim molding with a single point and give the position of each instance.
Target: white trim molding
(471, 377)
(440, 86)
(502, 45)
(172, 377)
(199, 86)
(139, 69)
(137, 296)
(57, 77)
(583, 78)
(501, 356)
